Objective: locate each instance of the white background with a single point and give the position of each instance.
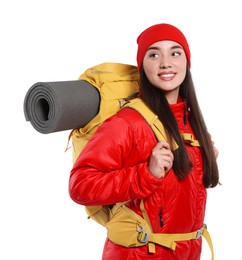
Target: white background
(57, 40)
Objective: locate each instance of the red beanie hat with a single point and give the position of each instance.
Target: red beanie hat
(160, 32)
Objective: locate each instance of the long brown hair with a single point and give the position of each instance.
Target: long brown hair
(157, 101)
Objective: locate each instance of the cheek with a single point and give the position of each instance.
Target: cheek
(181, 78)
(150, 74)
(182, 71)
(150, 68)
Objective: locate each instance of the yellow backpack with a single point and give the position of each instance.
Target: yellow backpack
(117, 85)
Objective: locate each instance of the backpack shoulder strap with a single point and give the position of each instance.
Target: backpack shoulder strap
(151, 118)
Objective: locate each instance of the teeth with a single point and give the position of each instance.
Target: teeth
(167, 75)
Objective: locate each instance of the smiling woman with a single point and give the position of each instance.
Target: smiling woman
(136, 175)
(48, 41)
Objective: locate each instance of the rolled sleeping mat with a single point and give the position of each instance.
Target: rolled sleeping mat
(63, 105)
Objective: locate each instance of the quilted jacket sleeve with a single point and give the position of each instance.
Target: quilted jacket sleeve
(113, 167)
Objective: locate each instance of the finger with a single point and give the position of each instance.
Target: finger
(161, 145)
(167, 161)
(168, 154)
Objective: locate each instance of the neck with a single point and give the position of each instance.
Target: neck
(172, 96)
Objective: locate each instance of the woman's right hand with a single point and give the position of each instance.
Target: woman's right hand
(161, 159)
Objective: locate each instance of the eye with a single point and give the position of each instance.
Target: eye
(176, 53)
(153, 55)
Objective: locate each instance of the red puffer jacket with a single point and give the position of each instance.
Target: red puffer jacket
(113, 167)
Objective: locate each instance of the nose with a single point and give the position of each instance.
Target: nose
(165, 66)
(165, 63)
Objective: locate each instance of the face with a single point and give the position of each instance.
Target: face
(165, 66)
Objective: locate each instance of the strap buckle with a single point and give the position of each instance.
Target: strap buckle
(143, 236)
(200, 231)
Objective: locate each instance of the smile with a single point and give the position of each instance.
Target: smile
(167, 76)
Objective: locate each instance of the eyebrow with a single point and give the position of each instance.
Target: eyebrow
(172, 48)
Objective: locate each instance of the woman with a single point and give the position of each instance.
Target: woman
(125, 162)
